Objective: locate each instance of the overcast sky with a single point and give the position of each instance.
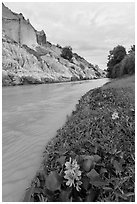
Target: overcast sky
(92, 29)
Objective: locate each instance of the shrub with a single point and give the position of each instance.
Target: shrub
(116, 70)
(115, 56)
(128, 65)
(132, 49)
(121, 63)
(67, 53)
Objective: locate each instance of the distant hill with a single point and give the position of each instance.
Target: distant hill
(28, 58)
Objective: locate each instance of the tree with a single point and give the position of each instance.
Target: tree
(115, 56)
(116, 70)
(128, 64)
(67, 53)
(132, 49)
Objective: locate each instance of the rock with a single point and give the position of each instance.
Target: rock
(31, 80)
(74, 78)
(6, 81)
(19, 29)
(17, 80)
(41, 37)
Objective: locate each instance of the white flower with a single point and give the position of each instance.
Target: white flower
(71, 177)
(78, 185)
(73, 174)
(72, 164)
(115, 115)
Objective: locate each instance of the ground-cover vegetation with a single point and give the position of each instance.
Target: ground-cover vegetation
(92, 157)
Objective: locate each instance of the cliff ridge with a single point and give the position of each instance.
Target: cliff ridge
(28, 58)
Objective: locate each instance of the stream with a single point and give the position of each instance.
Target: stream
(31, 115)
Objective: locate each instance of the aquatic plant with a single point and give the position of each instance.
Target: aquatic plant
(84, 178)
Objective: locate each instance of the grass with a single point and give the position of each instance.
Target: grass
(103, 126)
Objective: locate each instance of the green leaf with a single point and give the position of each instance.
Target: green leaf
(103, 170)
(46, 156)
(40, 178)
(95, 178)
(61, 160)
(79, 159)
(98, 182)
(37, 182)
(91, 195)
(85, 182)
(97, 158)
(88, 164)
(43, 199)
(85, 157)
(53, 181)
(64, 196)
(123, 196)
(117, 166)
(93, 174)
(41, 175)
(96, 149)
(130, 194)
(78, 199)
(83, 150)
(37, 190)
(107, 188)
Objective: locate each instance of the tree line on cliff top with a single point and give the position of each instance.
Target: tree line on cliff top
(121, 62)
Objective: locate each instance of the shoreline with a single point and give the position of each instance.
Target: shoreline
(52, 82)
(91, 124)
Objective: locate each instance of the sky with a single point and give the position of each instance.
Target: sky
(91, 29)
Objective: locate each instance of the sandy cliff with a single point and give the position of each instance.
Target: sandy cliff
(28, 58)
(20, 29)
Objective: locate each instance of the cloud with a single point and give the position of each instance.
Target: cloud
(92, 29)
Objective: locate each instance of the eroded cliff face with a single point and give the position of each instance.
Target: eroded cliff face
(20, 29)
(41, 37)
(27, 58)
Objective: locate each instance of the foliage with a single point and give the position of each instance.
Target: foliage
(99, 139)
(121, 63)
(116, 71)
(115, 56)
(99, 179)
(67, 53)
(125, 67)
(128, 64)
(132, 49)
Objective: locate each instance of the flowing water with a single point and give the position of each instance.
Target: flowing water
(31, 116)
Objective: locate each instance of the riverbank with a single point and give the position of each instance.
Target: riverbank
(36, 82)
(100, 135)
